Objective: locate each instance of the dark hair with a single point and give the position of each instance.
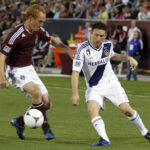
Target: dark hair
(99, 25)
(115, 38)
(119, 27)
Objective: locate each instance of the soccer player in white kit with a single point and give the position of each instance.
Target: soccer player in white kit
(93, 57)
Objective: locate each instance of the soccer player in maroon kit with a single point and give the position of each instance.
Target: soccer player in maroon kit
(16, 53)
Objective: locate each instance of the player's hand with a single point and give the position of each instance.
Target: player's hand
(133, 63)
(4, 84)
(71, 53)
(75, 100)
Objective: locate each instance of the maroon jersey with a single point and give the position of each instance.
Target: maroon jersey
(19, 45)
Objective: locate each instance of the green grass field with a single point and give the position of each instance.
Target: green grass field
(72, 125)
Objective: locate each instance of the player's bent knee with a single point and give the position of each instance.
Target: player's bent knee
(128, 113)
(47, 101)
(47, 105)
(127, 110)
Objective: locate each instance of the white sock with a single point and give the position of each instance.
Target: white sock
(99, 126)
(136, 120)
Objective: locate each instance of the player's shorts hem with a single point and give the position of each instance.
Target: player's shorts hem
(102, 105)
(125, 101)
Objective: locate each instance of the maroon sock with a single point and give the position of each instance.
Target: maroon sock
(20, 120)
(42, 108)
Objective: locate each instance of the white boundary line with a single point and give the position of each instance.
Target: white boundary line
(121, 77)
(83, 90)
(53, 75)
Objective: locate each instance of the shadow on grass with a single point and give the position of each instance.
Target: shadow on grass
(128, 140)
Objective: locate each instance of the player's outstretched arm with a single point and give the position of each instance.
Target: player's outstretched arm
(120, 57)
(3, 82)
(57, 43)
(133, 63)
(75, 94)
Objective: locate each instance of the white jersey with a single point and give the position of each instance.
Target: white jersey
(95, 63)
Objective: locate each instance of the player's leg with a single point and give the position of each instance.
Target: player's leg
(134, 117)
(48, 104)
(98, 123)
(25, 79)
(118, 97)
(35, 93)
(47, 101)
(94, 103)
(37, 103)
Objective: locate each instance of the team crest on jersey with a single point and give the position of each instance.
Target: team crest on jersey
(88, 52)
(22, 77)
(106, 52)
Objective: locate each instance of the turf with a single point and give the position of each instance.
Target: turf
(72, 125)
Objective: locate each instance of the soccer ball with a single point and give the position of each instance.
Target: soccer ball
(33, 118)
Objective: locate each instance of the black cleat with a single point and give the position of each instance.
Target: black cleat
(147, 136)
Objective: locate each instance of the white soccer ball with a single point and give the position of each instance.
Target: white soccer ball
(33, 118)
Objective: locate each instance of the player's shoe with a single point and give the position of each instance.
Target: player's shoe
(102, 142)
(19, 129)
(147, 136)
(48, 134)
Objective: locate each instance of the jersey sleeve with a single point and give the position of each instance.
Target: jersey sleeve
(11, 40)
(7, 46)
(78, 60)
(44, 35)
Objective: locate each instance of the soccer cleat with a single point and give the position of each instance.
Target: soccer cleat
(147, 136)
(48, 134)
(19, 129)
(102, 142)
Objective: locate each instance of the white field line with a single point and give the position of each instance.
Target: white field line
(53, 75)
(83, 90)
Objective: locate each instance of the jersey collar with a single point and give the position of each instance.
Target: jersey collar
(97, 49)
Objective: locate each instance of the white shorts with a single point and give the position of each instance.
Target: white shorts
(115, 93)
(19, 76)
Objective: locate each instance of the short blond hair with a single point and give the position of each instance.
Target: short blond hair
(34, 10)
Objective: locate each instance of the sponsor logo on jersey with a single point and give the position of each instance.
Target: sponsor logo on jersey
(6, 49)
(100, 62)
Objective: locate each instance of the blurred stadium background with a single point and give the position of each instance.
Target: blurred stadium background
(67, 19)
